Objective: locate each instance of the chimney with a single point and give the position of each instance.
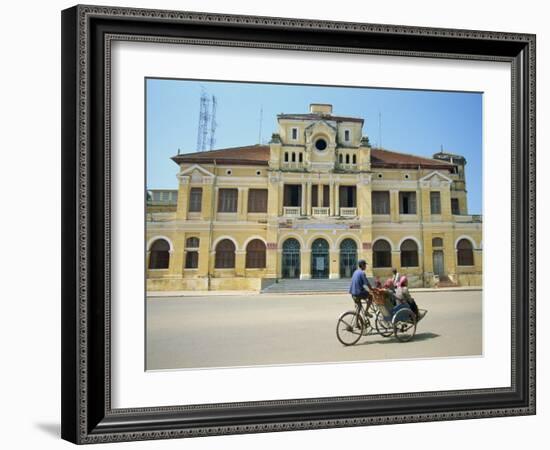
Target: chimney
(320, 108)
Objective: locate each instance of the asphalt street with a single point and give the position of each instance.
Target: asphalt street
(264, 329)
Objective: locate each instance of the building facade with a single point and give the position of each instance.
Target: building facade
(308, 205)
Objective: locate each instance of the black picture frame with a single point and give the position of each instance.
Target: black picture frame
(87, 416)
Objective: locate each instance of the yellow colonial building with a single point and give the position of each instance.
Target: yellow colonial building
(307, 206)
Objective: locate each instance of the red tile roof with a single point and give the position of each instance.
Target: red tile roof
(382, 158)
(258, 155)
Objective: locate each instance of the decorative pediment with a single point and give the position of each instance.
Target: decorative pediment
(435, 179)
(195, 173)
(321, 126)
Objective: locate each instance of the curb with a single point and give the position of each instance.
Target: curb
(255, 293)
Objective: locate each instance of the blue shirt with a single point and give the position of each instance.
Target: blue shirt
(358, 282)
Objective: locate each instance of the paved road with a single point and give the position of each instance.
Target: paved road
(224, 331)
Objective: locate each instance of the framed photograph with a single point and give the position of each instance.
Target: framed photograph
(279, 224)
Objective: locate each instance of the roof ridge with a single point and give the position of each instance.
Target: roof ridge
(206, 152)
(411, 154)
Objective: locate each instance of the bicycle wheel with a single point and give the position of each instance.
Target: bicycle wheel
(349, 328)
(383, 327)
(404, 325)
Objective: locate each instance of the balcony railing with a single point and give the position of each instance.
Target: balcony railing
(293, 165)
(347, 166)
(467, 218)
(292, 211)
(320, 211)
(348, 212)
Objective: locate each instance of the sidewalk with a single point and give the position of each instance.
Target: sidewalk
(256, 293)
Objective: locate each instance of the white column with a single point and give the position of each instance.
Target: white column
(308, 198)
(337, 198)
(303, 208)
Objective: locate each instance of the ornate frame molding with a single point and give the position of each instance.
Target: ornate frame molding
(87, 420)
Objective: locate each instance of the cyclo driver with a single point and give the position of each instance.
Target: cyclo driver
(357, 287)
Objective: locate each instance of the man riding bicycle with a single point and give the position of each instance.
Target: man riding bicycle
(357, 287)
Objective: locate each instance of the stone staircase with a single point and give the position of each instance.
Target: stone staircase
(289, 286)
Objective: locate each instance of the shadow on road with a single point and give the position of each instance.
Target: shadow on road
(392, 340)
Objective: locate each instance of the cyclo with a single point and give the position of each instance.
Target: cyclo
(390, 317)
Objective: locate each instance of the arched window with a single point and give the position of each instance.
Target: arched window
(381, 254)
(348, 257)
(354, 159)
(286, 156)
(160, 255)
(437, 242)
(192, 253)
(300, 157)
(340, 158)
(225, 255)
(465, 253)
(293, 157)
(255, 254)
(347, 158)
(409, 253)
(291, 259)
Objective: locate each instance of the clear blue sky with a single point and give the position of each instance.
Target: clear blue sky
(413, 121)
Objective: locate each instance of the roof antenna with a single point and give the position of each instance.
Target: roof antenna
(260, 128)
(379, 129)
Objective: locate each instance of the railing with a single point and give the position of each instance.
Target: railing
(468, 218)
(347, 166)
(320, 211)
(348, 212)
(292, 165)
(292, 211)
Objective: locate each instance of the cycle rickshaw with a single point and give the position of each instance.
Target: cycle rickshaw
(390, 317)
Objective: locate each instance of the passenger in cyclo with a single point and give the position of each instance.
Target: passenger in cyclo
(387, 291)
(403, 296)
(395, 278)
(360, 286)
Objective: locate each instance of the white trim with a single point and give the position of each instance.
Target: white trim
(435, 172)
(469, 238)
(221, 238)
(415, 239)
(196, 167)
(322, 236)
(251, 238)
(283, 238)
(340, 238)
(387, 239)
(294, 139)
(157, 237)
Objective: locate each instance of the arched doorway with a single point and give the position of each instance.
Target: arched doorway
(348, 257)
(319, 259)
(291, 259)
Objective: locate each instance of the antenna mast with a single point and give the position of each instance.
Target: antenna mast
(379, 129)
(213, 123)
(260, 130)
(204, 116)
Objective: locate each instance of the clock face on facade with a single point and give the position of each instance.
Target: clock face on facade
(320, 144)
